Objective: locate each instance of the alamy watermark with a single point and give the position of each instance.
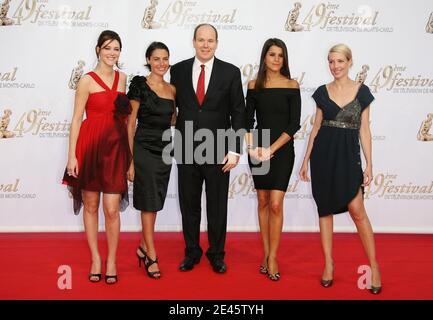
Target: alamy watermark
(64, 282)
(199, 146)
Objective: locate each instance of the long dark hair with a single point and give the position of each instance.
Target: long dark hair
(107, 35)
(261, 74)
(152, 47)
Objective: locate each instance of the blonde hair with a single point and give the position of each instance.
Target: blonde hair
(343, 49)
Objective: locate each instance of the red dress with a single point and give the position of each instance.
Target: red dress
(102, 149)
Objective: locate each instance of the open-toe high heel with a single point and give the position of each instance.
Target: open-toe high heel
(149, 262)
(263, 269)
(108, 279)
(141, 258)
(95, 277)
(273, 276)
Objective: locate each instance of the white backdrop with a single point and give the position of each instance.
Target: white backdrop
(46, 39)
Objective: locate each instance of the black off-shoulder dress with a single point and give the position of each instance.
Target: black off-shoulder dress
(276, 110)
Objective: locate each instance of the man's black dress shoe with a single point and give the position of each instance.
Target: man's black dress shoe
(219, 266)
(188, 263)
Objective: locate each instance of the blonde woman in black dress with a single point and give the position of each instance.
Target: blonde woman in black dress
(274, 102)
(342, 120)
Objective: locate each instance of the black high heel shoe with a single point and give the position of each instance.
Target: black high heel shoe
(107, 278)
(273, 276)
(141, 258)
(152, 274)
(328, 283)
(263, 269)
(98, 276)
(375, 290)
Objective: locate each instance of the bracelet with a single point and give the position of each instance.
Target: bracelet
(249, 147)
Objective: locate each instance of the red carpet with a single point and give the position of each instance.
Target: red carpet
(30, 261)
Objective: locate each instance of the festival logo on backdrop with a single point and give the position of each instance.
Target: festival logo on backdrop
(332, 17)
(306, 126)
(249, 72)
(242, 185)
(387, 186)
(9, 187)
(78, 72)
(187, 14)
(9, 76)
(292, 24)
(4, 124)
(362, 75)
(168, 197)
(129, 78)
(303, 87)
(10, 80)
(12, 190)
(429, 26)
(76, 75)
(424, 131)
(4, 8)
(148, 16)
(398, 79)
(41, 13)
(36, 122)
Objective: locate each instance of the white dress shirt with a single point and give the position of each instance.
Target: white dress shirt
(196, 69)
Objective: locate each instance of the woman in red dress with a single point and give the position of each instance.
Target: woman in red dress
(99, 155)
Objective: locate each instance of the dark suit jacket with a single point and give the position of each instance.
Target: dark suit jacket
(223, 106)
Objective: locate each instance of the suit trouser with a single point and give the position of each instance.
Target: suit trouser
(190, 184)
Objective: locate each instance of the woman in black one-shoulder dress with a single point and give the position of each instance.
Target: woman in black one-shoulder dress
(342, 120)
(274, 102)
(152, 101)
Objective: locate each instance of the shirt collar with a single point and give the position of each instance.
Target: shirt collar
(197, 63)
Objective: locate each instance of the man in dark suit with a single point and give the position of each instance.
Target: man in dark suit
(210, 100)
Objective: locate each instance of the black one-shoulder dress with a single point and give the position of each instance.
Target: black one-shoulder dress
(152, 173)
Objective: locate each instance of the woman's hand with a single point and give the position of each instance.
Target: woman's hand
(303, 172)
(264, 154)
(72, 167)
(368, 176)
(131, 172)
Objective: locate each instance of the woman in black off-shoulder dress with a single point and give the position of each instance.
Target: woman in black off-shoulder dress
(274, 102)
(341, 122)
(152, 101)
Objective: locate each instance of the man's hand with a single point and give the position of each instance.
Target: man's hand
(230, 161)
